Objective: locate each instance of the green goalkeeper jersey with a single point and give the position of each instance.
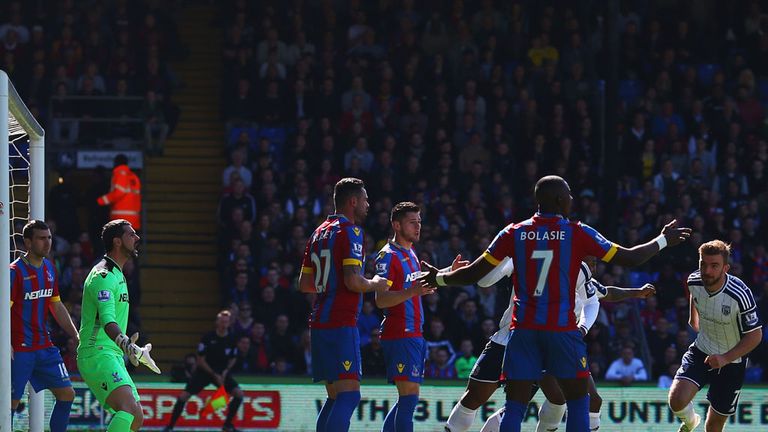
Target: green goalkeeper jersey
(105, 300)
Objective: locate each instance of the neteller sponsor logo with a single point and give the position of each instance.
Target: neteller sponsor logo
(34, 295)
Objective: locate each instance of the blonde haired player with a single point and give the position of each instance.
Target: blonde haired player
(724, 312)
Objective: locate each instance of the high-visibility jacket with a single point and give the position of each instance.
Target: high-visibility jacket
(124, 197)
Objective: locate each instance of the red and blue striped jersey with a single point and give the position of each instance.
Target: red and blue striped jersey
(547, 251)
(33, 289)
(335, 243)
(400, 267)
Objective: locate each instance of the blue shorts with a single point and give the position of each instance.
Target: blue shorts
(405, 359)
(44, 369)
(561, 354)
(724, 384)
(336, 354)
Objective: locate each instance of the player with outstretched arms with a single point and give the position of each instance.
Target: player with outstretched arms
(333, 269)
(547, 251)
(589, 294)
(724, 312)
(405, 349)
(35, 293)
(484, 379)
(103, 324)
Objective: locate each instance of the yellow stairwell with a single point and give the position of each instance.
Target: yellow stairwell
(179, 282)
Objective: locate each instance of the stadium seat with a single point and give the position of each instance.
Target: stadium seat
(707, 73)
(630, 90)
(762, 90)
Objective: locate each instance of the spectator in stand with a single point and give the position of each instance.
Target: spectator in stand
(466, 359)
(439, 365)
(261, 349)
(155, 126)
(238, 157)
(372, 356)
(627, 369)
(368, 321)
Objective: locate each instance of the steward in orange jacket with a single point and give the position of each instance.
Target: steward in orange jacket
(124, 197)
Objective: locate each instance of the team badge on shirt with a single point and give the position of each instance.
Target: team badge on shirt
(381, 267)
(726, 309)
(415, 371)
(116, 377)
(400, 367)
(347, 364)
(103, 295)
(751, 318)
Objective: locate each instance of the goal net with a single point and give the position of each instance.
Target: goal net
(22, 196)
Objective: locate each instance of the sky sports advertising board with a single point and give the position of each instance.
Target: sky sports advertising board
(292, 407)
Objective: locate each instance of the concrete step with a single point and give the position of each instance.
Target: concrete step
(205, 312)
(177, 276)
(182, 216)
(207, 207)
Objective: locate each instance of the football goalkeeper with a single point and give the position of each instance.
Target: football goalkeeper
(103, 324)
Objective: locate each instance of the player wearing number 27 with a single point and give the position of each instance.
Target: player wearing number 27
(333, 268)
(547, 251)
(724, 313)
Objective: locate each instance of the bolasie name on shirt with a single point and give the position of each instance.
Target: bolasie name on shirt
(542, 235)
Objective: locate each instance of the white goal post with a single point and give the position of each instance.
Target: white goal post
(16, 119)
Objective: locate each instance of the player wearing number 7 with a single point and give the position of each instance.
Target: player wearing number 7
(333, 268)
(103, 324)
(724, 313)
(547, 251)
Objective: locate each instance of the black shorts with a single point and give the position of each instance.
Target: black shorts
(724, 383)
(488, 365)
(200, 379)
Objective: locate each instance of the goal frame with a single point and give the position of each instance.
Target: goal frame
(11, 102)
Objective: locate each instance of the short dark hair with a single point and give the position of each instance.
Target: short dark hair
(111, 231)
(120, 159)
(29, 229)
(345, 189)
(401, 209)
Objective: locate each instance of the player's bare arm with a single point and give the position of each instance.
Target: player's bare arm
(385, 299)
(617, 294)
(355, 281)
(671, 235)
(693, 314)
(749, 341)
(61, 315)
(466, 275)
(306, 281)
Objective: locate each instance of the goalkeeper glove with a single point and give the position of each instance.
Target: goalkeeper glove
(135, 353)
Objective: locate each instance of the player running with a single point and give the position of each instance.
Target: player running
(103, 324)
(34, 358)
(723, 311)
(546, 252)
(405, 349)
(333, 269)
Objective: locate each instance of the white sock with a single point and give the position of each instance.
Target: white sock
(594, 421)
(550, 416)
(493, 424)
(686, 414)
(461, 418)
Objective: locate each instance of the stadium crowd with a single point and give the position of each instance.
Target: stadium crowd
(461, 107)
(57, 49)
